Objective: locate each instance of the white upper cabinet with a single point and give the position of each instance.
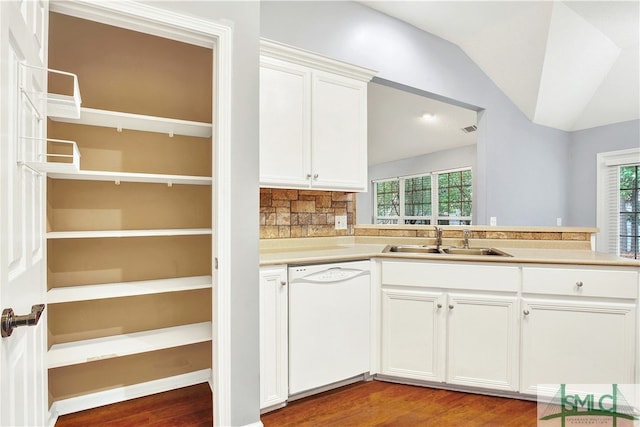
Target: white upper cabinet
(313, 121)
(285, 123)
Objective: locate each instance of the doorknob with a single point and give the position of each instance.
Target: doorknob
(10, 320)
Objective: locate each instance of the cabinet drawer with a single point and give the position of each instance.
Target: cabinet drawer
(580, 282)
(458, 275)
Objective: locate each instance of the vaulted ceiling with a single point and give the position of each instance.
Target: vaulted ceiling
(569, 65)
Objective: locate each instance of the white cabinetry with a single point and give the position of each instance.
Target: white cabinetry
(273, 336)
(578, 326)
(413, 334)
(313, 121)
(451, 322)
(482, 348)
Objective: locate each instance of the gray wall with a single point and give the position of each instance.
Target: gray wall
(583, 148)
(244, 17)
(442, 160)
(521, 166)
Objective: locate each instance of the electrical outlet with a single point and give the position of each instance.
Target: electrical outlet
(493, 221)
(341, 222)
(559, 221)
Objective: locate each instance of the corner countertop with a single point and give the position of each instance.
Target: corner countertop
(323, 250)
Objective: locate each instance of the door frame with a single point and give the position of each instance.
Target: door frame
(217, 36)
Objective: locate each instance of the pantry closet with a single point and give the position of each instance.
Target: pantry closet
(129, 226)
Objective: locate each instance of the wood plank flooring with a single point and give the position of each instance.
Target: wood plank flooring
(365, 404)
(188, 406)
(377, 403)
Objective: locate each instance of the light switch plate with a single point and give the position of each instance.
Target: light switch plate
(341, 222)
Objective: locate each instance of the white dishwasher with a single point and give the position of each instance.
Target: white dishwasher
(329, 312)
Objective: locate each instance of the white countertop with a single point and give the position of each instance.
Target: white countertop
(301, 251)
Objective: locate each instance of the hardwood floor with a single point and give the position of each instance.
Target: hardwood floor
(189, 406)
(378, 403)
(365, 404)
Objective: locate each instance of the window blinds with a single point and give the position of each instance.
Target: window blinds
(608, 197)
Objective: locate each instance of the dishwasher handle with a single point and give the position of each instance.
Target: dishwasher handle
(330, 275)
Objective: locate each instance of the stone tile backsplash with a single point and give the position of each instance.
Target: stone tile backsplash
(288, 213)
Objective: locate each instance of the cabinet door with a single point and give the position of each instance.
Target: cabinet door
(273, 336)
(482, 341)
(339, 137)
(576, 342)
(285, 126)
(413, 334)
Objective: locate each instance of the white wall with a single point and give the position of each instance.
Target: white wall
(584, 147)
(244, 17)
(521, 166)
(441, 160)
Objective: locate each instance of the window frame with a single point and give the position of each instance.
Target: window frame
(435, 218)
(608, 200)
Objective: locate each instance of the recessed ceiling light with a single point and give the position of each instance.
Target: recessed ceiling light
(428, 117)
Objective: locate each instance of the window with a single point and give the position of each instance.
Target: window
(443, 198)
(629, 234)
(618, 199)
(387, 202)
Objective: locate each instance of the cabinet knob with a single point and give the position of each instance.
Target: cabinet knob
(579, 284)
(450, 306)
(315, 176)
(525, 312)
(439, 305)
(283, 283)
(308, 176)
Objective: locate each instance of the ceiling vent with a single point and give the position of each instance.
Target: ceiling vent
(470, 129)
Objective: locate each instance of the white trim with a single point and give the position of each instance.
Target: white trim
(120, 394)
(222, 243)
(188, 29)
(604, 161)
(142, 18)
(305, 58)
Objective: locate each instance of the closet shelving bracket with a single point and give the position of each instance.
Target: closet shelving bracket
(69, 158)
(58, 105)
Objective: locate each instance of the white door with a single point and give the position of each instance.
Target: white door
(576, 342)
(413, 334)
(273, 336)
(482, 341)
(339, 136)
(23, 375)
(285, 124)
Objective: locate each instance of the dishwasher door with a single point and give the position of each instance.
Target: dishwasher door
(329, 324)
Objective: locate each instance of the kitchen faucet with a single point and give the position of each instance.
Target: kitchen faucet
(438, 237)
(465, 235)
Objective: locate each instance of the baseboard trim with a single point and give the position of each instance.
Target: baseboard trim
(120, 394)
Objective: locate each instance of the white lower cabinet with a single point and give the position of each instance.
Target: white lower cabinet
(273, 336)
(578, 327)
(447, 334)
(482, 347)
(413, 334)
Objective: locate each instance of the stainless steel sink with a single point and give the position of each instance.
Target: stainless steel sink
(446, 250)
(475, 251)
(415, 249)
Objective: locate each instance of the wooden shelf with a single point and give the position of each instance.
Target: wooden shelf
(77, 352)
(119, 120)
(126, 289)
(131, 177)
(127, 233)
